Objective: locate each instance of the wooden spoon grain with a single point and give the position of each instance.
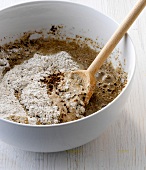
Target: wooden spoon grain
(88, 76)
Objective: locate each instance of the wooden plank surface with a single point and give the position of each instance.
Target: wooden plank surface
(123, 145)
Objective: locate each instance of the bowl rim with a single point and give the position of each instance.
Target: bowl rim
(97, 112)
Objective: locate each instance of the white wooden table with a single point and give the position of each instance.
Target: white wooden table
(123, 145)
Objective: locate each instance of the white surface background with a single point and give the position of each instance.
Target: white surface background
(123, 145)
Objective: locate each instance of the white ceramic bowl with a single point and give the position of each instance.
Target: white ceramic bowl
(87, 22)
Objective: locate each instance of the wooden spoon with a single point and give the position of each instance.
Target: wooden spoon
(88, 76)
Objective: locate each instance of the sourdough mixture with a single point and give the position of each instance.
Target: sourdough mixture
(37, 89)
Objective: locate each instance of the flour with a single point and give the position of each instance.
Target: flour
(23, 96)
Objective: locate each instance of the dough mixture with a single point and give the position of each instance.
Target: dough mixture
(37, 89)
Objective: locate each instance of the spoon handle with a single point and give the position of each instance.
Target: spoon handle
(116, 37)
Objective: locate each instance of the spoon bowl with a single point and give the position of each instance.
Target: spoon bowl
(89, 83)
